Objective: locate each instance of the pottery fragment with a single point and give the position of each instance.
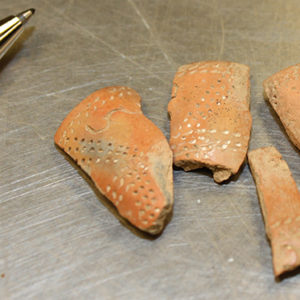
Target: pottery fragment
(280, 203)
(124, 153)
(282, 90)
(210, 117)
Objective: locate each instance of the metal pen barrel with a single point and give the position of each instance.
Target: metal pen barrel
(11, 28)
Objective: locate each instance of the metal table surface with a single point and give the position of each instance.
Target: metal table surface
(58, 239)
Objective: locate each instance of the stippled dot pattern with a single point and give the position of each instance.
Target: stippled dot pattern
(101, 135)
(210, 118)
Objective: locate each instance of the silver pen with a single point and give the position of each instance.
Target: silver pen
(11, 28)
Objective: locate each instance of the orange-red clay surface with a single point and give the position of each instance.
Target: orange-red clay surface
(283, 92)
(280, 202)
(125, 154)
(210, 118)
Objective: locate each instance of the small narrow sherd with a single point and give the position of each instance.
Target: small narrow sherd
(210, 117)
(280, 203)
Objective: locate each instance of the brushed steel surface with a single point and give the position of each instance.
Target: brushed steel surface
(58, 240)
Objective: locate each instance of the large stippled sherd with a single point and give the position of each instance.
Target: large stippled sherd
(125, 154)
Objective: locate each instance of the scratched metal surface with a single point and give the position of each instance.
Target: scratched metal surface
(57, 238)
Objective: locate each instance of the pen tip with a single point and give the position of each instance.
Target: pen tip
(25, 15)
